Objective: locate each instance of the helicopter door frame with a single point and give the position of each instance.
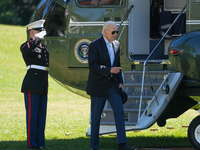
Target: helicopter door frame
(139, 29)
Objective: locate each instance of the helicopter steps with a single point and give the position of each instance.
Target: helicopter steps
(151, 108)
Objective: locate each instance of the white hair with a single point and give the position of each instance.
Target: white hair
(107, 24)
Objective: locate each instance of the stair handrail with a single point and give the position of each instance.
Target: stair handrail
(127, 15)
(145, 62)
(152, 87)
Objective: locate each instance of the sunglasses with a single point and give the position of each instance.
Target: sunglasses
(113, 32)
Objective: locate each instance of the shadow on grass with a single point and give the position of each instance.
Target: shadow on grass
(106, 143)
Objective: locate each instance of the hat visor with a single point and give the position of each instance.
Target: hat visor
(38, 29)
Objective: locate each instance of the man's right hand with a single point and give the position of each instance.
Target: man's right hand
(115, 70)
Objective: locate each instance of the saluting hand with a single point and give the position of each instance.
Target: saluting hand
(115, 70)
(41, 34)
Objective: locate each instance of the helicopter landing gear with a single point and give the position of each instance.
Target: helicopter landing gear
(194, 133)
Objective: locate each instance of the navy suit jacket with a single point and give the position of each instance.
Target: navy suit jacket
(100, 66)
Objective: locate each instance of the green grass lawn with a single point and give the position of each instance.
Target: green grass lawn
(67, 112)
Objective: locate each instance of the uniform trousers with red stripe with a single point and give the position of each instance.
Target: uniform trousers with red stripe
(36, 108)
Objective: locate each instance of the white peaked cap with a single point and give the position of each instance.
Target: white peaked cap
(36, 24)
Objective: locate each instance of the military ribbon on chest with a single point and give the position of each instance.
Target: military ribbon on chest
(39, 51)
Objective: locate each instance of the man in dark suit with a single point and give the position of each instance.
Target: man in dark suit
(104, 81)
(35, 84)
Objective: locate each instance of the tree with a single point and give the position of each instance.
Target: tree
(8, 15)
(17, 12)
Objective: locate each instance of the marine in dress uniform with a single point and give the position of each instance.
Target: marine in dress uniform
(35, 84)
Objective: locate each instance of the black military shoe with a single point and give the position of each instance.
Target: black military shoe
(126, 147)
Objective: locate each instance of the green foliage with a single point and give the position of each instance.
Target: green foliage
(8, 15)
(68, 114)
(16, 12)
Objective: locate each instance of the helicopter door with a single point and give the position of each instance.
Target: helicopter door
(139, 30)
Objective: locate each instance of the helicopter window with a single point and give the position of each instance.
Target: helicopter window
(196, 1)
(55, 23)
(66, 1)
(100, 2)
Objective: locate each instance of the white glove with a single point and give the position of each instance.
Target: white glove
(40, 35)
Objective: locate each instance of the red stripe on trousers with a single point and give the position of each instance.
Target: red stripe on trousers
(29, 118)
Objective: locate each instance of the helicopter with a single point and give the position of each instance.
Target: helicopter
(159, 52)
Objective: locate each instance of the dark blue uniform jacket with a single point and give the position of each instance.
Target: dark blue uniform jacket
(35, 53)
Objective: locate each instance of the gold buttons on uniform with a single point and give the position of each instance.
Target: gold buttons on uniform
(35, 73)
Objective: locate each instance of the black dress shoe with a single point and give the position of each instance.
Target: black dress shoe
(126, 147)
(94, 149)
